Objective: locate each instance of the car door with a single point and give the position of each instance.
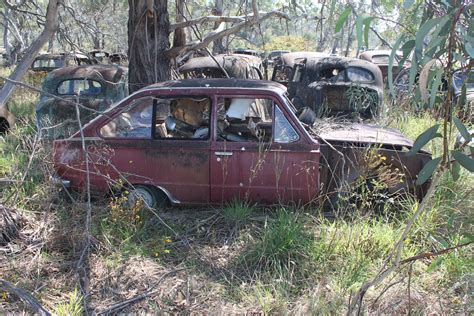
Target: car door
(259, 155)
(162, 141)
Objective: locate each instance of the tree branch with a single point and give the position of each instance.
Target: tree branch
(217, 34)
(24, 296)
(207, 19)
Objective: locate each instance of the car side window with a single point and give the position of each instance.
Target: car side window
(134, 122)
(162, 118)
(284, 132)
(182, 118)
(244, 119)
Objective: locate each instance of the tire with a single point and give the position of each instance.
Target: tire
(152, 197)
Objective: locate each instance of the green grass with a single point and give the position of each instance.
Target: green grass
(283, 244)
(290, 258)
(237, 212)
(72, 308)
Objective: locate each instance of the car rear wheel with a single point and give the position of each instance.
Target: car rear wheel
(148, 195)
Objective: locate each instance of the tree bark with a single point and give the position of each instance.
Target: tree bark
(148, 40)
(218, 47)
(50, 27)
(179, 36)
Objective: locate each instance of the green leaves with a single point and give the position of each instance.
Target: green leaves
(469, 49)
(435, 86)
(424, 138)
(342, 18)
(362, 30)
(463, 160)
(390, 66)
(462, 129)
(427, 170)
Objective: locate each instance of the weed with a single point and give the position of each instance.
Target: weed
(72, 308)
(237, 212)
(284, 244)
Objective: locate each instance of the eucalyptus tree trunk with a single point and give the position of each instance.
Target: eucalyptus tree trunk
(148, 41)
(218, 47)
(6, 118)
(179, 36)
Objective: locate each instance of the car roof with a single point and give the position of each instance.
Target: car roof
(220, 83)
(289, 59)
(101, 72)
(225, 60)
(315, 64)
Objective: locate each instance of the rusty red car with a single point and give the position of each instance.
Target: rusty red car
(210, 141)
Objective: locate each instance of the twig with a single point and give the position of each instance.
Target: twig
(434, 254)
(409, 288)
(397, 250)
(83, 262)
(121, 305)
(25, 297)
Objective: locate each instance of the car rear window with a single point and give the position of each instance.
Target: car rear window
(79, 87)
(380, 59)
(48, 63)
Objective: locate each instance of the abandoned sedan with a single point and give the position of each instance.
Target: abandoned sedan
(337, 86)
(211, 141)
(94, 88)
(381, 58)
(223, 66)
(284, 64)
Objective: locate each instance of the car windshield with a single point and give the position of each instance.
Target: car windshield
(356, 74)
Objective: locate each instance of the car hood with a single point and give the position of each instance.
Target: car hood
(360, 133)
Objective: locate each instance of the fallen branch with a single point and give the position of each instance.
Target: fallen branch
(121, 305)
(24, 296)
(434, 254)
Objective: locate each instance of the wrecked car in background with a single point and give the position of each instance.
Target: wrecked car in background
(100, 56)
(337, 86)
(381, 58)
(48, 62)
(94, 87)
(284, 63)
(118, 59)
(459, 79)
(235, 65)
(244, 51)
(204, 141)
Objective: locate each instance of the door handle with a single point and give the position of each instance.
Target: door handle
(223, 153)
